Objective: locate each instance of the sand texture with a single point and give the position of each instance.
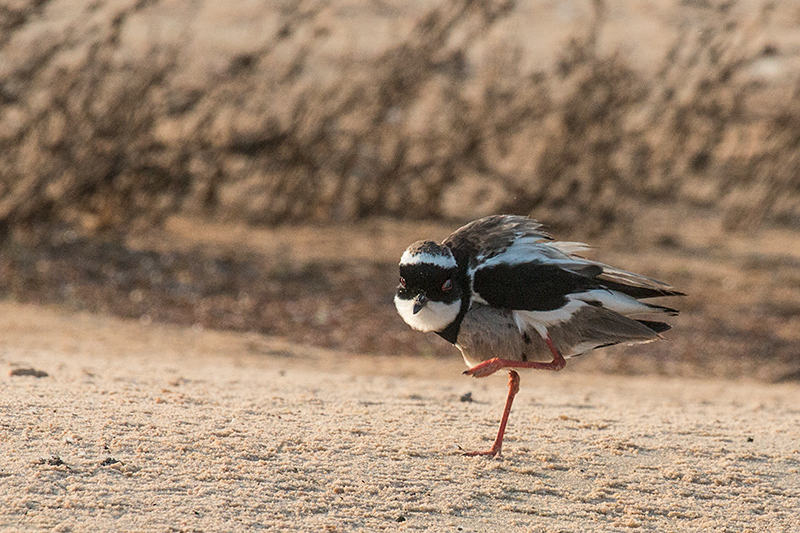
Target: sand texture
(143, 427)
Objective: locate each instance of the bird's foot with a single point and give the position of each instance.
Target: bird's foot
(487, 453)
(486, 368)
(493, 452)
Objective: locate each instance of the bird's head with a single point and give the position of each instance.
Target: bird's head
(429, 295)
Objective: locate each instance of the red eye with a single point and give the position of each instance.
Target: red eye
(447, 285)
(403, 282)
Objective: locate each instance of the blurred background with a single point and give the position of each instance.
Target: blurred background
(261, 165)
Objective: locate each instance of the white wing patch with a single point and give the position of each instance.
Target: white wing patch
(541, 320)
(569, 247)
(615, 301)
(523, 250)
(537, 249)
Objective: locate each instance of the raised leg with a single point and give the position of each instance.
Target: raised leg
(513, 389)
(489, 367)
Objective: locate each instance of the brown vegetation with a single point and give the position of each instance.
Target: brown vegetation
(419, 131)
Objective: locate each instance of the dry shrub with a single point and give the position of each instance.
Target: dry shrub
(420, 131)
(87, 155)
(387, 137)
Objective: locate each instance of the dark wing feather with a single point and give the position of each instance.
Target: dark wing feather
(489, 236)
(637, 291)
(632, 284)
(528, 286)
(543, 283)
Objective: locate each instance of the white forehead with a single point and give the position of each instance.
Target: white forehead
(416, 258)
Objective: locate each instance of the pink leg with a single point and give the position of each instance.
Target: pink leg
(489, 367)
(513, 389)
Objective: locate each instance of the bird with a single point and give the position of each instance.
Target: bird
(508, 296)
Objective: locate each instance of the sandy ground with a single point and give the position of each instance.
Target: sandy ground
(145, 427)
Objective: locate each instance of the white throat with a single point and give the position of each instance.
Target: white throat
(435, 316)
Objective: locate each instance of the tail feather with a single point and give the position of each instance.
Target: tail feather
(663, 309)
(658, 327)
(594, 327)
(637, 291)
